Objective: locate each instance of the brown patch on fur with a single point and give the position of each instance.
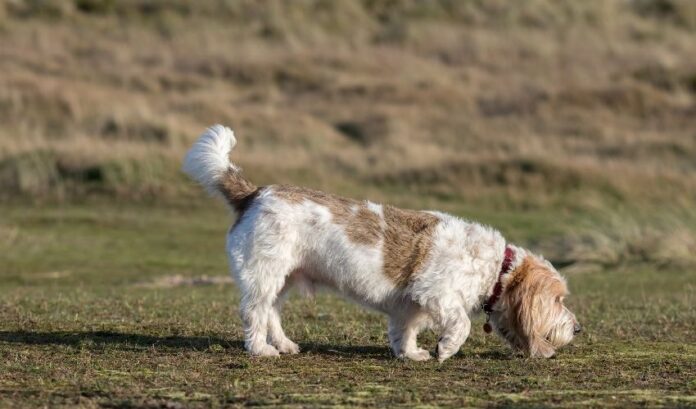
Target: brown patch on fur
(296, 194)
(365, 228)
(408, 234)
(238, 191)
(407, 242)
(362, 225)
(529, 294)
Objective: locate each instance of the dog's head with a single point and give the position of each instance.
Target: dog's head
(530, 314)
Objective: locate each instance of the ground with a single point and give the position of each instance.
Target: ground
(87, 319)
(567, 125)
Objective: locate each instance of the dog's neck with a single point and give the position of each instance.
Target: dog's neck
(513, 257)
(505, 268)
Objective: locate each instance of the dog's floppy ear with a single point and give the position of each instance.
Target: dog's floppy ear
(528, 305)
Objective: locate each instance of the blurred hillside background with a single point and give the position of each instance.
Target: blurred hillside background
(571, 125)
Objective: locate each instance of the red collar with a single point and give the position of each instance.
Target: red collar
(498, 289)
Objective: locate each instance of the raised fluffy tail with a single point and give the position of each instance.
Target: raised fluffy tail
(208, 163)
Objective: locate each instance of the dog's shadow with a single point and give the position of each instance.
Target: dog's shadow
(138, 342)
(127, 341)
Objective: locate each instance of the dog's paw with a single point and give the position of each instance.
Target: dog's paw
(419, 354)
(288, 347)
(264, 350)
(444, 352)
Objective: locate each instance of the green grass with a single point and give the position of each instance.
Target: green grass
(78, 328)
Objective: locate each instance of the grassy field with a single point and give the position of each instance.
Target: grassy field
(117, 307)
(568, 125)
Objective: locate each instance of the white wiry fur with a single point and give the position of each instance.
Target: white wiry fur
(208, 159)
(277, 243)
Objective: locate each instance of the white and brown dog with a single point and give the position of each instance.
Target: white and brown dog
(421, 268)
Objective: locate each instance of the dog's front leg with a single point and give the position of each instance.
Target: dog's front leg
(455, 330)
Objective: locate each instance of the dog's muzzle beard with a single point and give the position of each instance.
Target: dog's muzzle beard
(506, 333)
(531, 345)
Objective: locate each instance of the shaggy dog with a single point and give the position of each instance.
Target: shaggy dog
(424, 269)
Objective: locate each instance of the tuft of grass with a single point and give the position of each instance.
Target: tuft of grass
(682, 12)
(50, 175)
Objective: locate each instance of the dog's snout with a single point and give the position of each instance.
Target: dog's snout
(577, 329)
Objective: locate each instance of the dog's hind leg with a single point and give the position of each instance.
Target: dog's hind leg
(255, 313)
(276, 335)
(260, 284)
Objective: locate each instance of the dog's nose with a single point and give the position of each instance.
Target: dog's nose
(577, 329)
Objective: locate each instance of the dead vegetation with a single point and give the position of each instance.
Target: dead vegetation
(532, 104)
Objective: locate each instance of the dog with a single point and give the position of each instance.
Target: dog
(423, 269)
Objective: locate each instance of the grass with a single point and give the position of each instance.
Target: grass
(78, 327)
(567, 125)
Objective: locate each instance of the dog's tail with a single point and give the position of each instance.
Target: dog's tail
(208, 163)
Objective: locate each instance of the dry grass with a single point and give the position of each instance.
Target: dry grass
(581, 107)
(467, 99)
